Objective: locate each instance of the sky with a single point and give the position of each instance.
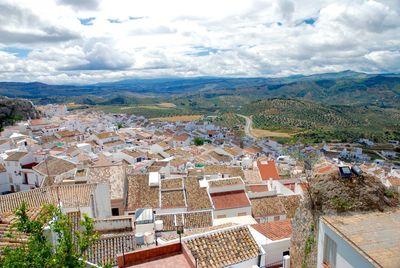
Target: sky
(90, 41)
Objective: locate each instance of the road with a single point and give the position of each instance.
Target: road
(247, 127)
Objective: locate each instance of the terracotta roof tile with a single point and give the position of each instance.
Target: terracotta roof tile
(232, 199)
(223, 248)
(275, 230)
(268, 170)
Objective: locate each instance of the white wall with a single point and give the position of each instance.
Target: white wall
(102, 201)
(270, 218)
(347, 256)
(114, 223)
(274, 250)
(231, 212)
(4, 184)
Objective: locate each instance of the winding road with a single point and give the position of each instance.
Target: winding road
(247, 127)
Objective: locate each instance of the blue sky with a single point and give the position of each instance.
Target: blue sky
(70, 41)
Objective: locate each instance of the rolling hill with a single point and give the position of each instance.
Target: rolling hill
(343, 88)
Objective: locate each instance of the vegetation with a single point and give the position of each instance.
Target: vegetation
(14, 110)
(312, 122)
(309, 245)
(198, 141)
(69, 250)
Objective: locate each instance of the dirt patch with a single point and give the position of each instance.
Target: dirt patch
(183, 118)
(166, 105)
(262, 133)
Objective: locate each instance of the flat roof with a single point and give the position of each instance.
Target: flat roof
(375, 235)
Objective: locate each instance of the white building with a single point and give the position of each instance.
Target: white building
(360, 240)
(19, 172)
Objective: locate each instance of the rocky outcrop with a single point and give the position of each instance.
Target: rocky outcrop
(13, 110)
(330, 194)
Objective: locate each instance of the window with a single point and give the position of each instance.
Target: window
(276, 218)
(25, 179)
(329, 252)
(115, 211)
(242, 214)
(221, 216)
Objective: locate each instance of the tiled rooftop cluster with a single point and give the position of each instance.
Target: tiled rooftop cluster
(69, 195)
(190, 220)
(105, 250)
(112, 175)
(229, 170)
(223, 248)
(276, 205)
(172, 199)
(140, 194)
(197, 197)
(225, 182)
(171, 184)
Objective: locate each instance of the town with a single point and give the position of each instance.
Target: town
(171, 193)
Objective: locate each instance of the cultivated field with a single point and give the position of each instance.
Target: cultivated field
(183, 118)
(263, 133)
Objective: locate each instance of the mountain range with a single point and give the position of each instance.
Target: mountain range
(342, 88)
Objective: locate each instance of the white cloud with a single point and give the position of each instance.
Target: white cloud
(189, 38)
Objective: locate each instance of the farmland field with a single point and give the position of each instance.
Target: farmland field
(183, 118)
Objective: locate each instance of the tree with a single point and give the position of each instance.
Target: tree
(120, 125)
(198, 141)
(38, 251)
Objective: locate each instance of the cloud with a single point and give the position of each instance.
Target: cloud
(103, 56)
(19, 25)
(81, 4)
(89, 41)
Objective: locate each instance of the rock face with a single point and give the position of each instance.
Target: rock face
(13, 110)
(330, 194)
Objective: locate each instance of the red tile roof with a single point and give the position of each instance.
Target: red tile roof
(232, 199)
(257, 188)
(182, 137)
(275, 230)
(268, 170)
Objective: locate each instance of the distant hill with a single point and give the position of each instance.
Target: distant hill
(343, 88)
(13, 110)
(317, 122)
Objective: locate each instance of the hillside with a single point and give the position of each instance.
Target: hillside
(317, 122)
(343, 88)
(12, 110)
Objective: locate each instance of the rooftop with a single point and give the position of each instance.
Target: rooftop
(196, 196)
(112, 175)
(252, 175)
(76, 195)
(223, 248)
(225, 182)
(218, 169)
(232, 199)
(171, 184)
(105, 135)
(172, 199)
(140, 194)
(268, 170)
(274, 230)
(267, 206)
(16, 156)
(375, 235)
(53, 166)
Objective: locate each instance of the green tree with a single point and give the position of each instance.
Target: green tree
(198, 141)
(68, 251)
